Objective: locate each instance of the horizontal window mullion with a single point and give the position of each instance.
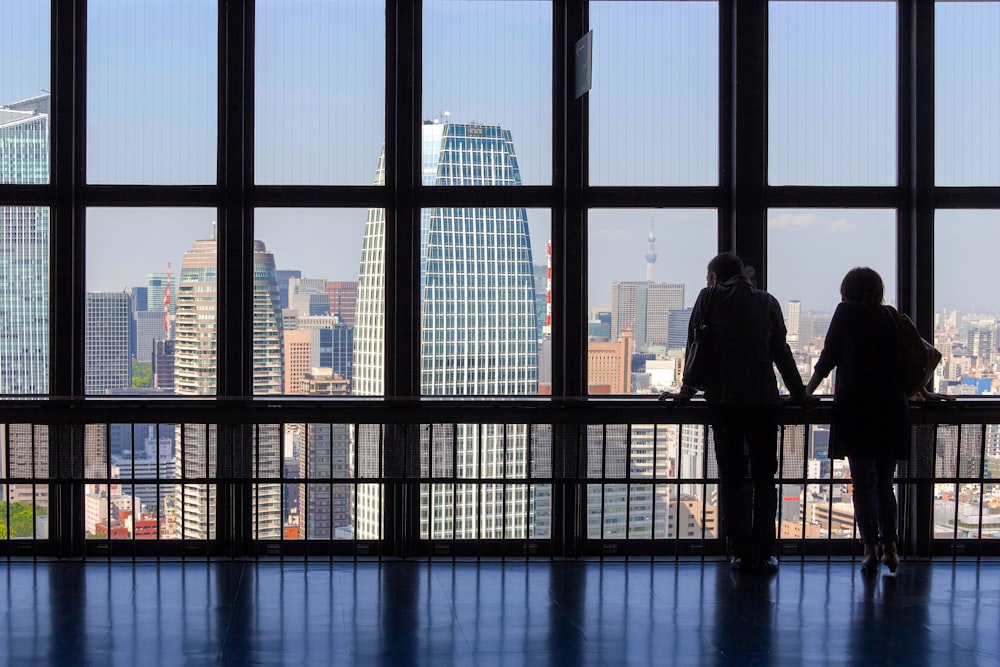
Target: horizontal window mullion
(27, 195)
(319, 196)
(969, 198)
(153, 195)
(653, 197)
(835, 197)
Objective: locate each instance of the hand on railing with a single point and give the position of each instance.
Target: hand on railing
(681, 396)
(806, 401)
(924, 395)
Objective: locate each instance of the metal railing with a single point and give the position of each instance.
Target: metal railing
(489, 478)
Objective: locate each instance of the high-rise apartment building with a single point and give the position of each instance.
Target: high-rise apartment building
(283, 276)
(793, 315)
(324, 454)
(107, 353)
(163, 365)
(644, 308)
(24, 251)
(158, 284)
(478, 330)
(609, 365)
(195, 367)
(308, 296)
(343, 299)
(147, 326)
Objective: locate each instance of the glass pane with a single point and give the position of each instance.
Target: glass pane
(314, 257)
(966, 304)
(832, 93)
(24, 97)
(151, 301)
(152, 90)
(24, 507)
(320, 91)
(487, 85)
(483, 302)
(807, 283)
(646, 267)
(24, 300)
(966, 95)
(654, 106)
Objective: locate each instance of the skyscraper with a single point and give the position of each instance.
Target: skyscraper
(793, 315)
(24, 251)
(324, 507)
(195, 366)
(157, 284)
(478, 329)
(107, 352)
(644, 308)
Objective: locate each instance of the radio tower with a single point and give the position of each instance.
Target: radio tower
(650, 254)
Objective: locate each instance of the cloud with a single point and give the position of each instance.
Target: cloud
(792, 221)
(841, 225)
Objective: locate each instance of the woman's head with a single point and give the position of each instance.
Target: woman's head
(862, 285)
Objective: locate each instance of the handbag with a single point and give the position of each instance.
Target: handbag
(916, 358)
(700, 365)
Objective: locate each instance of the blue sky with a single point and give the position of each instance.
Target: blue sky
(653, 119)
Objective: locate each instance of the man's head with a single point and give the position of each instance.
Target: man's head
(724, 266)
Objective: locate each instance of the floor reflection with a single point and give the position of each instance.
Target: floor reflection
(497, 613)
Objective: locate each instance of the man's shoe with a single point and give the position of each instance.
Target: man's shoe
(737, 564)
(769, 565)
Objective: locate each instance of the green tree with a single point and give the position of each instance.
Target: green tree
(142, 374)
(22, 519)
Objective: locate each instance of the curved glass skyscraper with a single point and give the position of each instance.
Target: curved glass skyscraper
(478, 328)
(24, 251)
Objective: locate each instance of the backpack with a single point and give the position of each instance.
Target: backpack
(916, 358)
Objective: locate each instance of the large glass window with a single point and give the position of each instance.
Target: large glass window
(152, 91)
(24, 96)
(809, 251)
(646, 267)
(311, 268)
(967, 94)
(487, 89)
(654, 116)
(832, 93)
(483, 302)
(151, 302)
(966, 303)
(320, 93)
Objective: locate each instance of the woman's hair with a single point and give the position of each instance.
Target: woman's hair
(863, 285)
(726, 265)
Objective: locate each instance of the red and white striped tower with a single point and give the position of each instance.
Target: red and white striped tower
(547, 328)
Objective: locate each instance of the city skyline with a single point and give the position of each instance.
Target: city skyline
(669, 146)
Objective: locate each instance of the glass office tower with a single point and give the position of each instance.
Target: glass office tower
(24, 251)
(478, 331)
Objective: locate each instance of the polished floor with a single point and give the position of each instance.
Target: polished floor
(513, 613)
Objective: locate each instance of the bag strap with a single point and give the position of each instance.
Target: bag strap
(708, 306)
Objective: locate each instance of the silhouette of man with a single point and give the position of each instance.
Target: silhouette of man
(746, 339)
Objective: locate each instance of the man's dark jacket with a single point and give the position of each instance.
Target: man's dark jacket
(746, 333)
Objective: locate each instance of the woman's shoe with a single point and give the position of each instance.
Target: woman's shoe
(869, 564)
(889, 556)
